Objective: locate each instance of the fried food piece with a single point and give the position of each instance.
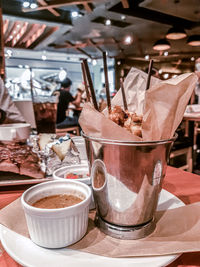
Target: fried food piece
(130, 121)
(133, 124)
(117, 115)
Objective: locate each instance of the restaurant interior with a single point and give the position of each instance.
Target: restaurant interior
(98, 45)
(50, 38)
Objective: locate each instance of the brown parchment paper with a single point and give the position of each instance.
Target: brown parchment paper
(162, 107)
(177, 231)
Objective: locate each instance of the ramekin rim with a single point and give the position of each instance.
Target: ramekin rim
(58, 210)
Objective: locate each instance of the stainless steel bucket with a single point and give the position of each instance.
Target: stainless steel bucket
(126, 181)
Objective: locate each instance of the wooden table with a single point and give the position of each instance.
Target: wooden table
(184, 185)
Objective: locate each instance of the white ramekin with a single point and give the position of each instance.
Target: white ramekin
(56, 228)
(83, 169)
(15, 131)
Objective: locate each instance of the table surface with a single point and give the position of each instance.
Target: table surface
(184, 185)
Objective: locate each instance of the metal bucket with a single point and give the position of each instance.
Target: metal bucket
(126, 181)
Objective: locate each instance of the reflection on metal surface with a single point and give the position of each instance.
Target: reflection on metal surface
(126, 182)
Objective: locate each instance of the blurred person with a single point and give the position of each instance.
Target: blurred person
(65, 97)
(80, 91)
(8, 111)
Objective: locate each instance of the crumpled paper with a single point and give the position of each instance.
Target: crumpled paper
(162, 107)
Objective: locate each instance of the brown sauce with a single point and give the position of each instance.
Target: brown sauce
(57, 201)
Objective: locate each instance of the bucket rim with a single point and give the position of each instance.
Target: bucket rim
(121, 142)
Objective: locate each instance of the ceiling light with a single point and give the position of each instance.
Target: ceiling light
(89, 60)
(108, 22)
(26, 4)
(9, 52)
(20, 66)
(94, 62)
(74, 14)
(165, 53)
(175, 33)
(62, 75)
(166, 76)
(192, 59)
(160, 71)
(123, 17)
(33, 5)
(194, 40)
(118, 63)
(161, 45)
(128, 40)
(44, 57)
(147, 57)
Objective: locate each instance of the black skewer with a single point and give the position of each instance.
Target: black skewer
(149, 74)
(106, 82)
(123, 94)
(90, 84)
(85, 82)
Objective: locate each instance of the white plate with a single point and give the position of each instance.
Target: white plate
(12, 179)
(26, 253)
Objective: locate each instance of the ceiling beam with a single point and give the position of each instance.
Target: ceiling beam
(22, 27)
(87, 7)
(70, 45)
(30, 32)
(35, 20)
(43, 37)
(125, 3)
(92, 43)
(7, 37)
(149, 14)
(83, 45)
(53, 11)
(35, 35)
(5, 26)
(26, 33)
(59, 3)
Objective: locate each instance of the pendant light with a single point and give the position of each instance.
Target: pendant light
(176, 33)
(194, 40)
(161, 45)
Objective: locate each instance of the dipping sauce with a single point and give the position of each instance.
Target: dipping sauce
(73, 175)
(57, 201)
